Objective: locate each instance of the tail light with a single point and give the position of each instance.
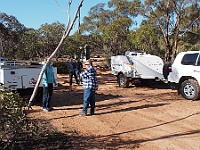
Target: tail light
(170, 69)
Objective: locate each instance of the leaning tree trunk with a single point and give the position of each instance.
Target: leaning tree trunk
(65, 34)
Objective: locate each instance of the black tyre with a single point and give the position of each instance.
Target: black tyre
(123, 81)
(190, 89)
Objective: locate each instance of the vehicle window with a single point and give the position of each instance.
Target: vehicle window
(189, 59)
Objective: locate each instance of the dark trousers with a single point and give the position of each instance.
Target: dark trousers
(71, 74)
(47, 95)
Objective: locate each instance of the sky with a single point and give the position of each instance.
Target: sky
(34, 13)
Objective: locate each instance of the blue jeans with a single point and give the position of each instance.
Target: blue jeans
(88, 99)
(78, 72)
(47, 94)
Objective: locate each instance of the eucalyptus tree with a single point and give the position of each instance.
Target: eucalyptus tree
(11, 31)
(168, 16)
(185, 9)
(3, 33)
(30, 44)
(93, 25)
(97, 17)
(190, 36)
(50, 35)
(146, 39)
(94, 41)
(71, 47)
(123, 14)
(111, 25)
(115, 35)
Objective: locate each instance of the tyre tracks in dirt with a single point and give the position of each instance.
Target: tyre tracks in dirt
(141, 118)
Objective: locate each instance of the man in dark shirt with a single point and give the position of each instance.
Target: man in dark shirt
(71, 70)
(78, 67)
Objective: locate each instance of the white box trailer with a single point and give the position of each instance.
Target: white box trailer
(134, 66)
(21, 76)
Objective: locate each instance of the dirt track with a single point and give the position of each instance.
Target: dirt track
(143, 118)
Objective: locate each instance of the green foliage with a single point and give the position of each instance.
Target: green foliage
(13, 118)
(173, 18)
(61, 67)
(10, 34)
(50, 35)
(115, 34)
(71, 46)
(31, 44)
(146, 39)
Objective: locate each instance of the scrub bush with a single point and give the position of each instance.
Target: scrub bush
(13, 119)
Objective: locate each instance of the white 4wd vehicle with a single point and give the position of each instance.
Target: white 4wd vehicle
(184, 74)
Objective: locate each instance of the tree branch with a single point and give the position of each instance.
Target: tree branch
(190, 25)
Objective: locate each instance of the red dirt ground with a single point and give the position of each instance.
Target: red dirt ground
(143, 118)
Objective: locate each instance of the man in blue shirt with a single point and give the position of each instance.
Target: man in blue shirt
(90, 85)
(48, 80)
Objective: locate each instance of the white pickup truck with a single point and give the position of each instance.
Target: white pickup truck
(184, 74)
(21, 76)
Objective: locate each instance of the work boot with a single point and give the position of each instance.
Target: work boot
(91, 112)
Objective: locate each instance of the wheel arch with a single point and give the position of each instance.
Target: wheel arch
(182, 79)
(120, 73)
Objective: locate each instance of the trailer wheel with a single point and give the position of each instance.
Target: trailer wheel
(123, 81)
(190, 89)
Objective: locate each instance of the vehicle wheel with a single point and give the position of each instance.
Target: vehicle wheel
(123, 81)
(190, 89)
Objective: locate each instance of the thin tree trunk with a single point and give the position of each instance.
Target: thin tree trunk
(168, 47)
(177, 36)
